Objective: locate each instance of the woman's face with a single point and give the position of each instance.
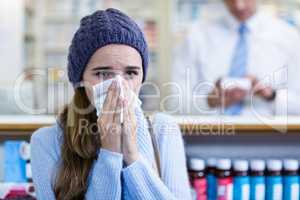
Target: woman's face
(112, 60)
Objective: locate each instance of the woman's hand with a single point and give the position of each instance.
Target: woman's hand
(109, 120)
(129, 136)
(110, 127)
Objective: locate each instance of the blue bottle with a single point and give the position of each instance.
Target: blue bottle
(241, 182)
(274, 180)
(211, 179)
(14, 164)
(257, 180)
(290, 180)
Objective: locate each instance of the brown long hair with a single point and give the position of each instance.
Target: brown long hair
(79, 148)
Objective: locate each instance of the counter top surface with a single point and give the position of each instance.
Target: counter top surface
(186, 122)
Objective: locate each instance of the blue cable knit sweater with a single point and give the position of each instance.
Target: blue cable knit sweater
(108, 178)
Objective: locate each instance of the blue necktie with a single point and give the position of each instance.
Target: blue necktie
(239, 66)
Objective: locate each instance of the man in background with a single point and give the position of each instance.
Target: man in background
(256, 52)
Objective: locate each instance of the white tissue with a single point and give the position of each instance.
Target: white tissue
(242, 83)
(100, 91)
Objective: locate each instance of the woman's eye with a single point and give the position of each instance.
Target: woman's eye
(132, 73)
(103, 74)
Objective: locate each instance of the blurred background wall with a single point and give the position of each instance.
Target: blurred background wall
(35, 36)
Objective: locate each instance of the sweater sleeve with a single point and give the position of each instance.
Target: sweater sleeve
(104, 179)
(143, 183)
(43, 164)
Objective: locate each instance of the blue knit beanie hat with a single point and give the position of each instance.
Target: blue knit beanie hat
(99, 29)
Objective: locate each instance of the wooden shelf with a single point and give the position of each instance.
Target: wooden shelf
(19, 125)
(192, 129)
(24, 123)
(193, 124)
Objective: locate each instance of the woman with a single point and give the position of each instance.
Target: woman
(110, 160)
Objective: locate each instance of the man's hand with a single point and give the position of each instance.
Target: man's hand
(261, 90)
(220, 97)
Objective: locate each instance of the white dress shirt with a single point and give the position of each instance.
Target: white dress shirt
(206, 54)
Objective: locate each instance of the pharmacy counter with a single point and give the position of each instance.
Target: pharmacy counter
(188, 124)
(204, 136)
(194, 124)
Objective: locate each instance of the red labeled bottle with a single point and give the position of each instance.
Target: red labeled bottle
(224, 180)
(197, 178)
